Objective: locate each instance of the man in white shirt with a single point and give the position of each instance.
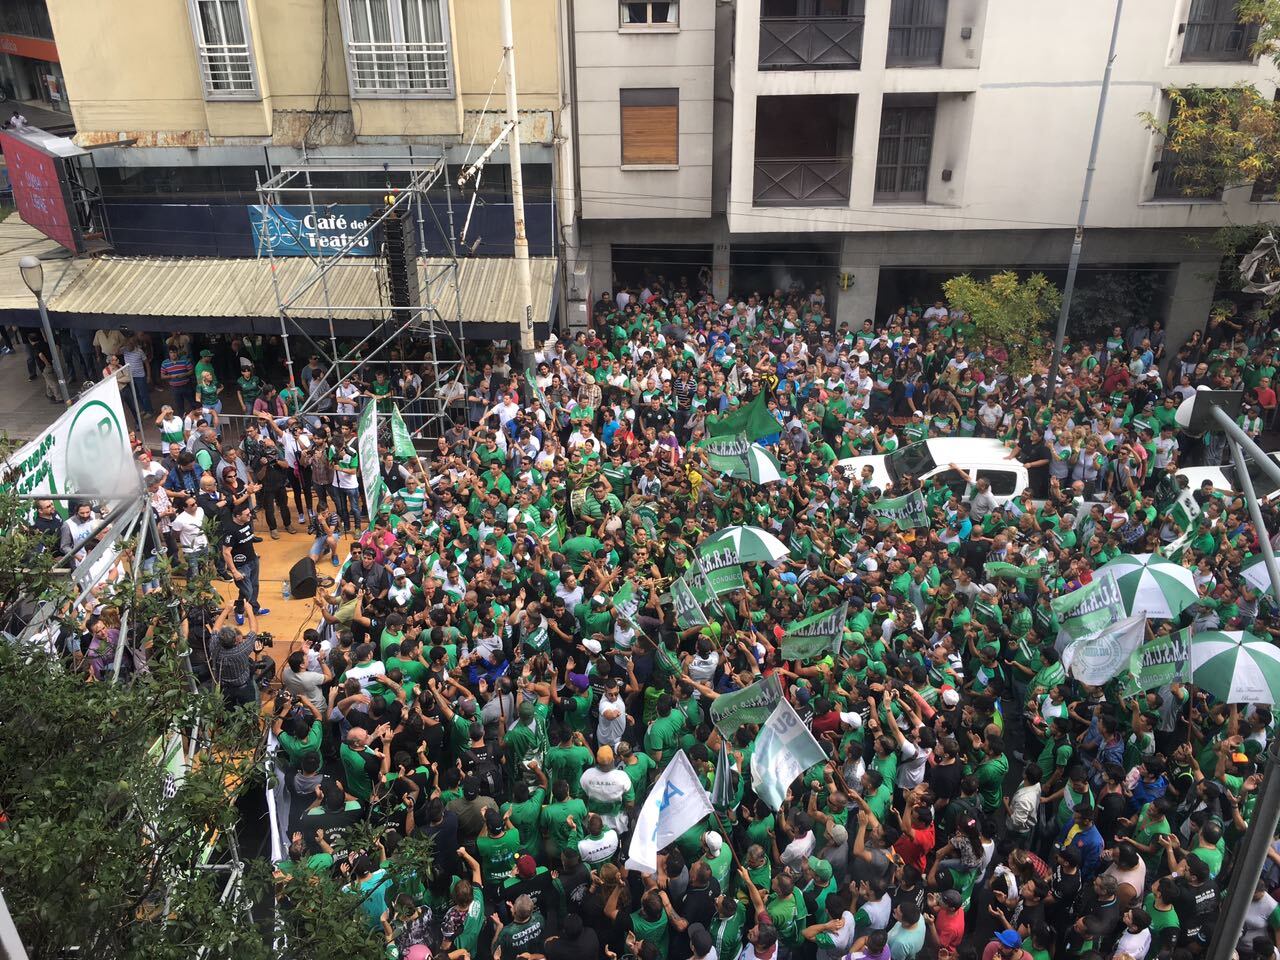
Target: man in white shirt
(606, 784)
(189, 526)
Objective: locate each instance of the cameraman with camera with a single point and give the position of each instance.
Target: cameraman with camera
(231, 659)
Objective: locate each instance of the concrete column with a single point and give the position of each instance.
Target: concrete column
(858, 302)
(1190, 300)
(720, 268)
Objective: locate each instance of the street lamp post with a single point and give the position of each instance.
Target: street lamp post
(33, 276)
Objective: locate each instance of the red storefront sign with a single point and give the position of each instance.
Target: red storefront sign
(39, 190)
(32, 47)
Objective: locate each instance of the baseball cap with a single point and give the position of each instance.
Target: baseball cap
(714, 842)
(591, 646)
(398, 572)
(526, 866)
(821, 869)
(837, 835)
(493, 820)
(1009, 938)
(950, 697)
(952, 899)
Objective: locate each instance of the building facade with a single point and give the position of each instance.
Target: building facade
(192, 103)
(879, 146)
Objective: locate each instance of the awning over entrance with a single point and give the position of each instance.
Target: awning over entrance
(219, 295)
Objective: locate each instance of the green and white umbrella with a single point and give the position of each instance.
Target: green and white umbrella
(751, 544)
(759, 466)
(1151, 585)
(1254, 572)
(1235, 666)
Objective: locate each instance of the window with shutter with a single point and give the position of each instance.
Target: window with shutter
(650, 126)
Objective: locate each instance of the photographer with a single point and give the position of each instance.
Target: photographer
(298, 735)
(230, 658)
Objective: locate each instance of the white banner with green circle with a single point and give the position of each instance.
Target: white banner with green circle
(85, 451)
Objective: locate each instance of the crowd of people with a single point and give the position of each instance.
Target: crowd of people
(473, 676)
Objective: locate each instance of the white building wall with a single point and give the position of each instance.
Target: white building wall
(611, 58)
(1014, 125)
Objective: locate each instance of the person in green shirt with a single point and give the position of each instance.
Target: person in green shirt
(497, 848)
(561, 819)
(525, 810)
(568, 758)
(662, 739)
(524, 934)
(651, 924)
(360, 763)
(297, 735)
(990, 772)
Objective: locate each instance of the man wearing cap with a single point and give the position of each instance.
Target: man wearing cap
(605, 786)
(497, 847)
(1007, 945)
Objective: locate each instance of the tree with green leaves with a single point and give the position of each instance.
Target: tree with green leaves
(1009, 311)
(1227, 136)
(111, 843)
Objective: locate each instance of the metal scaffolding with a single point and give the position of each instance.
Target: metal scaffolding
(406, 183)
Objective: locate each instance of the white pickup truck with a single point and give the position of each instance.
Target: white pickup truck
(931, 459)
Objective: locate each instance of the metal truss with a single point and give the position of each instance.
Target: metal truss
(408, 181)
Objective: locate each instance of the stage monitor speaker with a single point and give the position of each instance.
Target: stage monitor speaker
(302, 579)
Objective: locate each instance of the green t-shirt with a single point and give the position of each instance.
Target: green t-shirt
(525, 817)
(991, 774)
(554, 825)
(497, 855)
(657, 932)
(664, 735)
(295, 748)
(358, 781)
(567, 764)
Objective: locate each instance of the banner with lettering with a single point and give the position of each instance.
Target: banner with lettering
(907, 511)
(815, 636)
(1157, 663)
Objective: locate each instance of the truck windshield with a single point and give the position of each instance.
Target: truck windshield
(913, 459)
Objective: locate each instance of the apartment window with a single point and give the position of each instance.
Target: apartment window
(650, 126)
(1177, 176)
(1214, 32)
(906, 143)
(916, 31)
(649, 13)
(222, 43)
(398, 47)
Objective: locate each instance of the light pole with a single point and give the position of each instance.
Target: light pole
(33, 276)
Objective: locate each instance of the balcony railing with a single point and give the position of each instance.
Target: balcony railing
(810, 43)
(399, 67)
(813, 182)
(227, 70)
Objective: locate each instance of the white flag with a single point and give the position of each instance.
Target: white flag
(1096, 658)
(784, 749)
(676, 802)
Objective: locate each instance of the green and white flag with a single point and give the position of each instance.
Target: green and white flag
(1157, 663)
(751, 704)
(696, 580)
(753, 420)
(784, 750)
(737, 457)
(1096, 658)
(908, 510)
(997, 570)
(815, 636)
(1088, 610)
(689, 612)
(1184, 511)
(626, 602)
(367, 443)
(536, 391)
(401, 442)
(722, 570)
